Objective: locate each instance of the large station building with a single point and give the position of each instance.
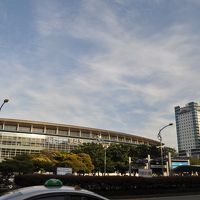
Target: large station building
(24, 136)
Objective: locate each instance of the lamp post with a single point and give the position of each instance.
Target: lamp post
(105, 159)
(160, 139)
(5, 101)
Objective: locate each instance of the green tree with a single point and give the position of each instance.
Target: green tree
(21, 164)
(154, 152)
(173, 151)
(71, 160)
(80, 163)
(194, 161)
(42, 162)
(8, 167)
(86, 160)
(118, 156)
(96, 152)
(141, 151)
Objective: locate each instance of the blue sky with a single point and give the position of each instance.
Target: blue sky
(120, 64)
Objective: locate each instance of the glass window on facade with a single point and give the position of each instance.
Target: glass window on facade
(63, 145)
(121, 139)
(95, 135)
(7, 140)
(113, 138)
(37, 142)
(26, 141)
(75, 132)
(24, 128)
(50, 131)
(56, 143)
(7, 153)
(35, 151)
(38, 129)
(1, 126)
(85, 134)
(62, 132)
(128, 139)
(10, 127)
(104, 136)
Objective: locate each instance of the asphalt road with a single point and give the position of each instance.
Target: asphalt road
(186, 197)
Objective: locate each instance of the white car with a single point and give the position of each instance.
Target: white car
(52, 190)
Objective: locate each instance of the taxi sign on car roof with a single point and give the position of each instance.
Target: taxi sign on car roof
(53, 183)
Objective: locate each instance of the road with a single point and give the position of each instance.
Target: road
(186, 197)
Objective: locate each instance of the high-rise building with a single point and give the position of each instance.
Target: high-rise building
(187, 126)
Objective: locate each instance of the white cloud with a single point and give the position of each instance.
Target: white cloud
(128, 82)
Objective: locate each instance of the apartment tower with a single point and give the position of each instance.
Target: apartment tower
(187, 126)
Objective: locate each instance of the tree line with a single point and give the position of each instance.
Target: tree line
(86, 158)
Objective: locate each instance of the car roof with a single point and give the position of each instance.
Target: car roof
(32, 191)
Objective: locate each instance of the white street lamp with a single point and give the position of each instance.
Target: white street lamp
(5, 101)
(160, 139)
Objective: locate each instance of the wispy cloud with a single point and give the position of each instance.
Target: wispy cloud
(94, 64)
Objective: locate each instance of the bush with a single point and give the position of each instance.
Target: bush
(118, 185)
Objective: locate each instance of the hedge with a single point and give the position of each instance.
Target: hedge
(118, 185)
